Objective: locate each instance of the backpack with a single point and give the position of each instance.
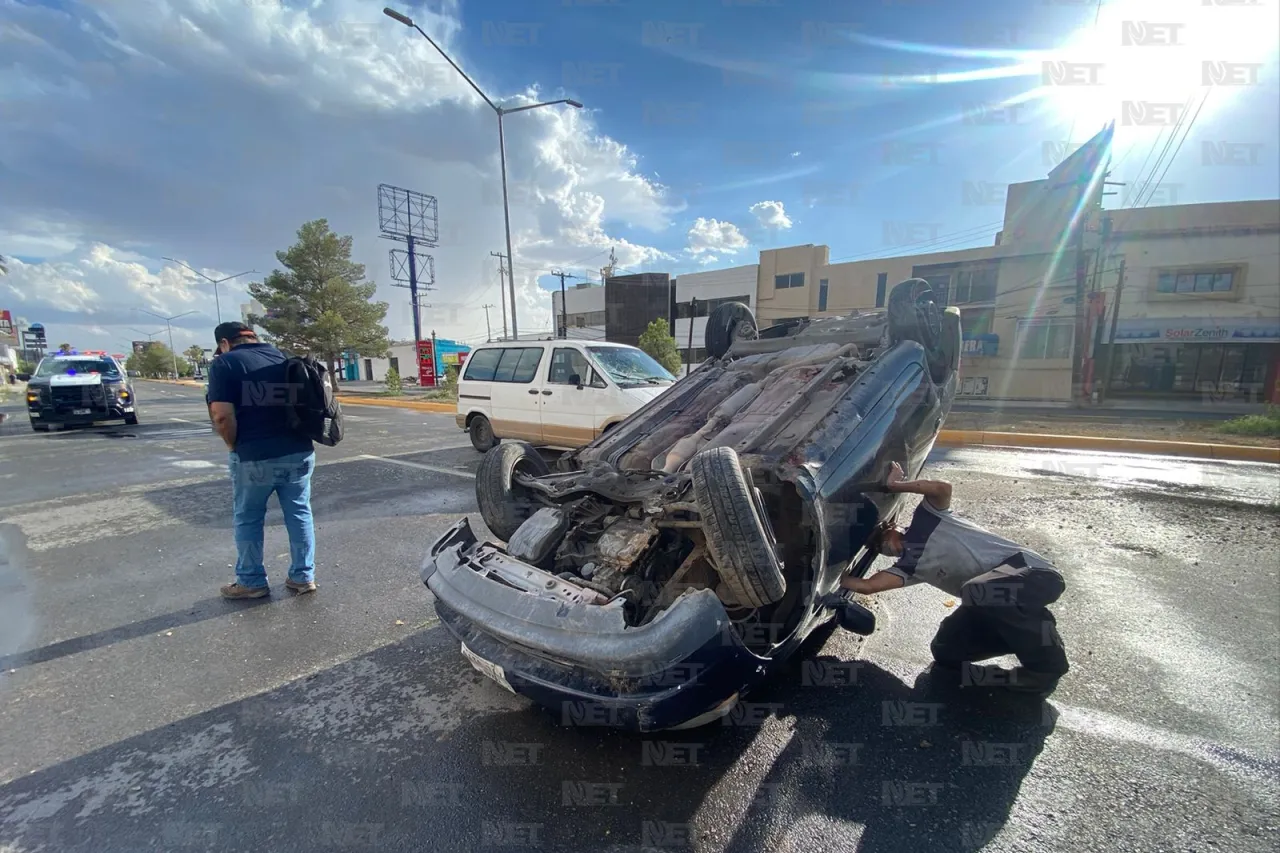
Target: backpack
(313, 411)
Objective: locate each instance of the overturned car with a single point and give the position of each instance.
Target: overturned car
(664, 569)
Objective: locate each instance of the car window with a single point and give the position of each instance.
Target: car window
(518, 364)
(481, 365)
(73, 366)
(565, 362)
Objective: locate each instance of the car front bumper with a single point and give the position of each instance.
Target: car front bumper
(80, 414)
(684, 668)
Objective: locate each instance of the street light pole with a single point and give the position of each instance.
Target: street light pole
(216, 301)
(168, 325)
(502, 149)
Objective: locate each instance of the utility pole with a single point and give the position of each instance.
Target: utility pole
(502, 298)
(564, 305)
(693, 312)
(1111, 338)
(488, 336)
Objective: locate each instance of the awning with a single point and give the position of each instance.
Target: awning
(1196, 330)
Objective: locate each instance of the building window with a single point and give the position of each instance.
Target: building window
(1048, 338)
(977, 321)
(1196, 281)
(974, 285)
(882, 284)
(822, 294)
(941, 287)
(782, 282)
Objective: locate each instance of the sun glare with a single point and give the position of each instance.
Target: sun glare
(1142, 54)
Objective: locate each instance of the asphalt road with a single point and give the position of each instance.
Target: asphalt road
(138, 711)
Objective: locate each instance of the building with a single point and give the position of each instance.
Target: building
(402, 357)
(585, 316)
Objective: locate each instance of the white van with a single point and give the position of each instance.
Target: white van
(559, 393)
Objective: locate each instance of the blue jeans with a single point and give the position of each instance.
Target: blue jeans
(252, 482)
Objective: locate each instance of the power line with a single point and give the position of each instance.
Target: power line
(1174, 156)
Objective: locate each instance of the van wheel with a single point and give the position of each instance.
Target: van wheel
(737, 533)
(728, 323)
(481, 432)
(504, 503)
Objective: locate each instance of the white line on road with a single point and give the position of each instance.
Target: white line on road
(182, 420)
(435, 468)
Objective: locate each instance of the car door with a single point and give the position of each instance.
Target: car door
(570, 396)
(515, 394)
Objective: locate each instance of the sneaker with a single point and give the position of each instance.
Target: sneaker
(236, 591)
(301, 587)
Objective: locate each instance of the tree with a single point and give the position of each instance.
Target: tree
(4, 268)
(320, 304)
(156, 360)
(394, 386)
(657, 342)
(63, 349)
(194, 354)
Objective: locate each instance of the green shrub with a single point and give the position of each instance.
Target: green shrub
(1264, 425)
(394, 386)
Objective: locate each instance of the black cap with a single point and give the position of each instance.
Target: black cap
(230, 331)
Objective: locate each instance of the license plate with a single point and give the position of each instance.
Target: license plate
(82, 411)
(490, 669)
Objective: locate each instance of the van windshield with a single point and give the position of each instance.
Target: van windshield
(630, 367)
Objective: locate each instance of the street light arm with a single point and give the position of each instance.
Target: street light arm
(408, 22)
(237, 275)
(543, 104)
(188, 266)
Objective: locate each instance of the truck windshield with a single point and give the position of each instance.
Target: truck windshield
(630, 367)
(76, 366)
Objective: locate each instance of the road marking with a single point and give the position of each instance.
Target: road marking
(435, 468)
(182, 420)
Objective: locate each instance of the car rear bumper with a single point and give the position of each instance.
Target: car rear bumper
(581, 660)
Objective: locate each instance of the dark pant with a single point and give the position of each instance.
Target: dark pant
(1005, 612)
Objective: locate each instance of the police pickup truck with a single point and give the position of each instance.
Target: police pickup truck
(79, 388)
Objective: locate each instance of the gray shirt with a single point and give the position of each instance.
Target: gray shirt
(947, 551)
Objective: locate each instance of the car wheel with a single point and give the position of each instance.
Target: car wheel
(504, 503)
(914, 314)
(737, 534)
(131, 420)
(728, 323)
(481, 432)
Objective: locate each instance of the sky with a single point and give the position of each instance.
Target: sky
(209, 131)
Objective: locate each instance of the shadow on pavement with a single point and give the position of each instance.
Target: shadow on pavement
(408, 748)
(200, 611)
(919, 767)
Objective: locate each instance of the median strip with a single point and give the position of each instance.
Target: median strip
(1199, 450)
(415, 405)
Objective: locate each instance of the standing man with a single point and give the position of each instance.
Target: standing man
(248, 396)
(1005, 590)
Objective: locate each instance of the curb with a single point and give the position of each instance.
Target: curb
(415, 405)
(1237, 452)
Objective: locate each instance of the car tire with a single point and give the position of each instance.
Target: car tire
(504, 504)
(481, 432)
(737, 536)
(131, 420)
(729, 322)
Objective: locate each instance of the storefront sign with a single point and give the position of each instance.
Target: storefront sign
(980, 345)
(7, 335)
(1196, 330)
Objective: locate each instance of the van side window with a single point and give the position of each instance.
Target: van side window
(565, 362)
(518, 364)
(482, 364)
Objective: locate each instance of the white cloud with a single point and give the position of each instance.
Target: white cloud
(771, 215)
(709, 236)
(210, 130)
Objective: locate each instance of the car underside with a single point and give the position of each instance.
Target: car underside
(711, 527)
